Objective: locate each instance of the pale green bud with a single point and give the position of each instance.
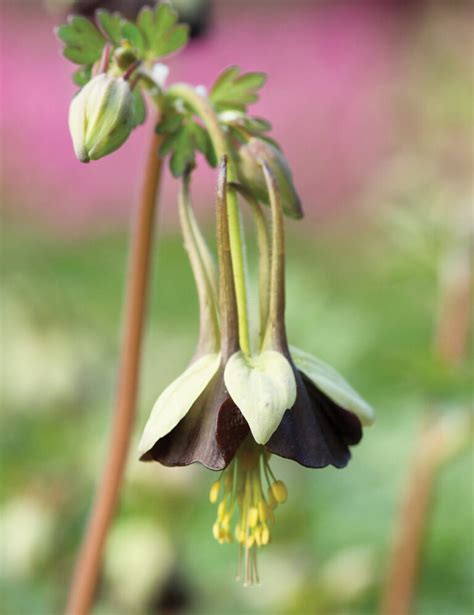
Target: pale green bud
(251, 174)
(101, 117)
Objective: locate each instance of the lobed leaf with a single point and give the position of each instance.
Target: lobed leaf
(161, 34)
(183, 137)
(133, 35)
(234, 91)
(82, 75)
(110, 24)
(83, 41)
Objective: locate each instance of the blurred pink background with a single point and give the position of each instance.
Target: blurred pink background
(336, 123)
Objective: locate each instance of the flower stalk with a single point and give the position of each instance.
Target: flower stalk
(87, 570)
(205, 111)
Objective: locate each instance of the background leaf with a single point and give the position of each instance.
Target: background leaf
(111, 24)
(233, 91)
(139, 108)
(83, 41)
(82, 75)
(133, 35)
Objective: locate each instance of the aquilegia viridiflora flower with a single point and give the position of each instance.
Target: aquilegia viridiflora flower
(242, 398)
(230, 412)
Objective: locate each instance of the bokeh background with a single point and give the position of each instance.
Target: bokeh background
(372, 102)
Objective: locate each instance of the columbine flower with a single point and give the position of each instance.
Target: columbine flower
(230, 411)
(195, 419)
(101, 117)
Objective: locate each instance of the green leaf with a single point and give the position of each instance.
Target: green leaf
(332, 384)
(203, 143)
(82, 75)
(139, 108)
(173, 40)
(170, 123)
(184, 155)
(263, 387)
(146, 21)
(111, 24)
(235, 91)
(183, 136)
(176, 400)
(161, 34)
(256, 125)
(133, 35)
(83, 41)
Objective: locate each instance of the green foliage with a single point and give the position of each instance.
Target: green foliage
(162, 35)
(235, 91)
(110, 24)
(183, 137)
(156, 34)
(139, 108)
(83, 41)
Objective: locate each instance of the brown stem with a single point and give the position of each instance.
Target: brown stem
(450, 339)
(88, 565)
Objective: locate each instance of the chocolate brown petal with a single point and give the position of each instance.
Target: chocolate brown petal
(345, 422)
(307, 435)
(209, 434)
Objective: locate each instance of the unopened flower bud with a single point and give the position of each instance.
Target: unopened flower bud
(251, 155)
(101, 117)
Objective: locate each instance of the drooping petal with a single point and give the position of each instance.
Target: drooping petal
(263, 387)
(176, 401)
(330, 382)
(315, 432)
(210, 433)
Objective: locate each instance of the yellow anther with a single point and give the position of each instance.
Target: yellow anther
(265, 535)
(263, 511)
(216, 530)
(250, 541)
(221, 510)
(279, 491)
(226, 522)
(214, 491)
(253, 516)
(272, 503)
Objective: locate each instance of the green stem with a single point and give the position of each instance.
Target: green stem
(204, 110)
(264, 250)
(276, 334)
(203, 273)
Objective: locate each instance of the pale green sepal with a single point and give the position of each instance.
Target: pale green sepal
(101, 117)
(177, 399)
(263, 387)
(332, 384)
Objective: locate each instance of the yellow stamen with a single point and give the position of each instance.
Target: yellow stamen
(241, 488)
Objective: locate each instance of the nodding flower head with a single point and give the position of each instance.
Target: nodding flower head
(101, 117)
(230, 411)
(251, 174)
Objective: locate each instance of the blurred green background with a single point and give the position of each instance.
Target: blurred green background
(362, 294)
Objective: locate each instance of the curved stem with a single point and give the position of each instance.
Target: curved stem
(276, 332)
(209, 336)
(88, 565)
(205, 111)
(264, 255)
